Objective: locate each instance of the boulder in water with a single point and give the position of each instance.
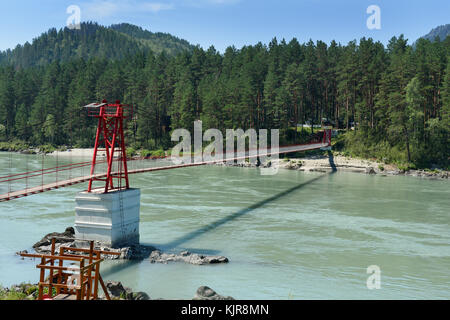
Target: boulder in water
(370, 170)
(67, 236)
(206, 293)
(138, 296)
(193, 258)
(116, 289)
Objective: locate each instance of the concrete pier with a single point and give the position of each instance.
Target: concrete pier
(111, 218)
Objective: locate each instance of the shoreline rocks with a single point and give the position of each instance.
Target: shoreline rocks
(64, 237)
(206, 293)
(187, 257)
(134, 252)
(346, 164)
(321, 163)
(116, 291)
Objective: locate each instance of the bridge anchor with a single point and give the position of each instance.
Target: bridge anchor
(109, 214)
(111, 218)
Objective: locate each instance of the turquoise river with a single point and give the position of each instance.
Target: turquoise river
(293, 235)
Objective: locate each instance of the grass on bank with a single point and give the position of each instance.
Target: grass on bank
(352, 144)
(21, 146)
(24, 291)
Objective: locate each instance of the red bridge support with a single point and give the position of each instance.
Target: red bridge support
(327, 136)
(110, 135)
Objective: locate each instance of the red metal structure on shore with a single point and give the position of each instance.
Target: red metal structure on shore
(326, 137)
(110, 135)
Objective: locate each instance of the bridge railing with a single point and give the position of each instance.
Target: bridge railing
(45, 175)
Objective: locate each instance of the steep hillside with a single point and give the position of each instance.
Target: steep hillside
(92, 40)
(442, 32)
(157, 42)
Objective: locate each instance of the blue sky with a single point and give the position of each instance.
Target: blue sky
(230, 22)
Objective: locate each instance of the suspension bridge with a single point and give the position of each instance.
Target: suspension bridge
(117, 165)
(46, 179)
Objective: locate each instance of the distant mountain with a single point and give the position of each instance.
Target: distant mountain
(157, 42)
(442, 32)
(92, 40)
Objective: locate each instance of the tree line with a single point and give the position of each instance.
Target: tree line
(396, 98)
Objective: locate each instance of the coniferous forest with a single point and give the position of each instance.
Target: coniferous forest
(393, 100)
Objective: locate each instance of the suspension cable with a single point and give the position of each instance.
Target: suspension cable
(10, 168)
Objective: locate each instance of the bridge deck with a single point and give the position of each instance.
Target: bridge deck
(65, 183)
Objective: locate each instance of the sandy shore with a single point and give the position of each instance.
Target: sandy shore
(322, 163)
(308, 164)
(77, 152)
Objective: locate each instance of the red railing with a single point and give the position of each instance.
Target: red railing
(36, 181)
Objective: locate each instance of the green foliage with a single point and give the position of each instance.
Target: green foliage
(158, 153)
(356, 145)
(12, 295)
(145, 153)
(32, 290)
(395, 98)
(20, 292)
(92, 41)
(15, 146)
(156, 42)
(131, 152)
(406, 166)
(47, 148)
(45, 291)
(152, 153)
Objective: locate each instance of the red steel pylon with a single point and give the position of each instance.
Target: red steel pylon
(326, 138)
(110, 135)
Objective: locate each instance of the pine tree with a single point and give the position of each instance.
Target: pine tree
(7, 101)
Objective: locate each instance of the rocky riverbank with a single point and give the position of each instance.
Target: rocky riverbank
(116, 291)
(348, 164)
(323, 163)
(134, 252)
(317, 163)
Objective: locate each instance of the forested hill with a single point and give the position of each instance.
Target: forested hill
(157, 42)
(93, 40)
(396, 98)
(442, 32)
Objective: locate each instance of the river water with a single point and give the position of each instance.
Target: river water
(293, 235)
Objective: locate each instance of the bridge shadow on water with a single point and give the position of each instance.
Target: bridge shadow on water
(202, 230)
(194, 234)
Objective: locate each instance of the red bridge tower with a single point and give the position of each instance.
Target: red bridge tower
(110, 135)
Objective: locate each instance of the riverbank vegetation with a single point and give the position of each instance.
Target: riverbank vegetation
(25, 147)
(393, 101)
(23, 291)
